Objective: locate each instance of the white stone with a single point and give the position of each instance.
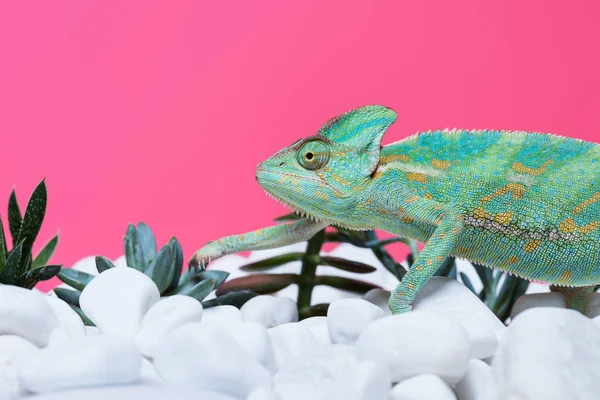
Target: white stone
(593, 308)
(12, 350)
(92, 330)
(527, 301)
(368, 380)
(483, 340)
(548, 353)
(165, 315)
(86, 361)
(145, 392)
(209, 357)
(473, 385)
(27, 314)
(255, 340)
(148, 374)
(227, 316)
(379, 297)
(59, 336)
(263, 393)
(422, 387)
(318, 327)
(292, 340)
(117, 300)
(446, 295)
(68, 319)
(346, 319)
(416, 343)
(270, 311)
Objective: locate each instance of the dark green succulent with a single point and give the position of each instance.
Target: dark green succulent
(18, 266)
(164, 267)
(500, 298)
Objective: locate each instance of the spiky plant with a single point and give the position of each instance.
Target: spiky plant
(497, 293)
(164, 267)
(18, 266)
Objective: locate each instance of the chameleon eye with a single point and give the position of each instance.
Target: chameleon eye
(313, 155)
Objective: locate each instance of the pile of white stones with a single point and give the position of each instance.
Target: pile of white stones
(449, 347)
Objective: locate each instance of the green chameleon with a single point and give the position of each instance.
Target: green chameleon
(525, 203)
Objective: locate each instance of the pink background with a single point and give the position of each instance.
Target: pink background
(159, 111)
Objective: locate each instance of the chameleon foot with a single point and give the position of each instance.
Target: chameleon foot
(205, 255)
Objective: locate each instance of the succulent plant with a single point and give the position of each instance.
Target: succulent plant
(164, 267)
(499, 295)
(18, 266)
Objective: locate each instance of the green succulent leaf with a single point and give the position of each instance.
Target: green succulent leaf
(133, 249)
(161, 268)
(318, 310)
(218, 276)
(43, 273)
(69, 296)
(272, 262)
(11, 272)
(33, 218)
(74, 278)
(259, 283)
(347, 265)
(103, 263)
(347, 284)
(84, 318)
(467, 282)
(14, 218)
(147, 243)
(236, 299)
(177, 255)
(201, 289)
(3, 246)
(44, 255)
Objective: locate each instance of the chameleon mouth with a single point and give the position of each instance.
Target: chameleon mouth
(293, 209)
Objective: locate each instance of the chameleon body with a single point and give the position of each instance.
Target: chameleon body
(525, 203)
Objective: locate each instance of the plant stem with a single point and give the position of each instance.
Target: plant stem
(310, 261)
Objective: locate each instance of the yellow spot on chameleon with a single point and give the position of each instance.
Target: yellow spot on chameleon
(518, 167)
(322, 195)
(480, 213)
(259, 231)
(417, 177)
(516, 189)
(566, 276)
(419, 268)
(440, 258)
(428, 196)
(503, 218)
(462, 249)
(411, 286)
(407, 220)
(513, 260)
(242, 237)
(532, 245)
(340, 180)
(568, 225)
(595, 198)
(429, 262)
(378, 175)
(394, 157)
(412, 199)
(589, 228)
(439, 164)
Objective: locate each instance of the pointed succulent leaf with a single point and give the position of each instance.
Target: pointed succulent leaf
(288, 217)
(133, 249)
(512, 289)
(218, 276)
(161, 268)
(14, 218)
(74, 278)
(347, 284)
(272, 262)
(347, 265)
(43, 273)
(177, 255)
(3, 246)
(69, 296)
(236, 299)
(201, 289)
(103, 263)
(84, 318)
(44, 255)
(33, 217)
(484, 273)
(467, 282)
(11, 272)
(147, 242)
(259, 283)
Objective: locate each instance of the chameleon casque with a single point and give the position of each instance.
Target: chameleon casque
(525, 203)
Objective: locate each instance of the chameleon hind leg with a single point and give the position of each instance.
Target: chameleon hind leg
(440, 244)
(576, 298)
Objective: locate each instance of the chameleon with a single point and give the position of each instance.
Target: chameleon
(523, 202)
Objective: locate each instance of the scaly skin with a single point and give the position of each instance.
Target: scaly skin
(525, 203)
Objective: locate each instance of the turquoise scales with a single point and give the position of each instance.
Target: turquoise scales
(526, 203)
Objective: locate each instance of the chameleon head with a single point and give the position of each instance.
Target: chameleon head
(317, 176)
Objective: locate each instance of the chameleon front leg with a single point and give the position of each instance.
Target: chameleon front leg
(449, 226)
(261, 239)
